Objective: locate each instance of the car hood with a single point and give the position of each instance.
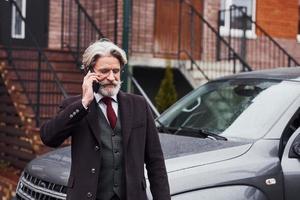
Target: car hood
(180, 152)
(184, 152)
(53, 166)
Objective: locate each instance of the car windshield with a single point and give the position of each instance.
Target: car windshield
(241, 108)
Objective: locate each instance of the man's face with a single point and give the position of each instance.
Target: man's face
(108, 67)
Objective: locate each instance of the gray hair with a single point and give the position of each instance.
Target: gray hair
(100, 48)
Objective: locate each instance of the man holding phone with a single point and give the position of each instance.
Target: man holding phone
(113, 134)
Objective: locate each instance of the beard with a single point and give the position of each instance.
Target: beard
(109, 89)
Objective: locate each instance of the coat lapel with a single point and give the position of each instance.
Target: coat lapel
(125, 106)
(93, 118)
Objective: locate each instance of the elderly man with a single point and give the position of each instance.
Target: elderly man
(113, 134)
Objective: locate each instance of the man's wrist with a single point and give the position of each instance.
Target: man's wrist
(85, 104)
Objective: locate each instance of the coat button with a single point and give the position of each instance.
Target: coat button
(93, 170)
(97, 148)
(89, 195)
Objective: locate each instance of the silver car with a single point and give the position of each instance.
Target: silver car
(233, 138)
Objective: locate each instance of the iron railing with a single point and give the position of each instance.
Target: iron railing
(82, 39)
(251, 41)
(35, 74)
(197, 46)
(80, 21)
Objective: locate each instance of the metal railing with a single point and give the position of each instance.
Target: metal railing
(142, 92)
(35, 74)
(197, 45)
(92, 32)
(251, 41)
(80, 21)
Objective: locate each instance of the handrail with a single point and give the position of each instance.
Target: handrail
(89, 18)
(194, 62)
(275, 55)
(271, 38)
(140, 89)
(97, 31)
(245, 64)
(82, 38)
(19, 78)
(211, 57)
(40, 49)
(41, 56)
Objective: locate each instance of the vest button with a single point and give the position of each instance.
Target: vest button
(89, 195)
(97, 148)
(93, 170)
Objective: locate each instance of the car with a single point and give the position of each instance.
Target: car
(235, 137)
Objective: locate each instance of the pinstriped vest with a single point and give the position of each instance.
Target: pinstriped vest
(111, 178)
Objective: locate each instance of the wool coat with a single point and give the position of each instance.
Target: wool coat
(140, 140)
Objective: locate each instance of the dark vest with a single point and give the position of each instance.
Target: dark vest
(111, 178)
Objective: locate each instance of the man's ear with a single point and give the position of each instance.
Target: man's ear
(87, 69)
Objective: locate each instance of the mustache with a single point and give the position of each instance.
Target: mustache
(106, 83)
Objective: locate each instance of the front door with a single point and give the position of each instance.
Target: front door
(175, 24)
(14, 31)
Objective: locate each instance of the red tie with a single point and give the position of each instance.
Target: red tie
(110, 113)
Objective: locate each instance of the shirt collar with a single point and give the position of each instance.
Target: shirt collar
(98, 97)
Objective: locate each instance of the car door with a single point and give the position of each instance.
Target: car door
(291, 166)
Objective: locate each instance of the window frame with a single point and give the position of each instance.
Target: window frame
(224, 30)
(13, 21)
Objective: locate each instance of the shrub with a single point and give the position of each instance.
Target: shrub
(167, 94)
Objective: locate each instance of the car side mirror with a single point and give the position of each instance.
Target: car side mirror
(296, 148)
(294, 151)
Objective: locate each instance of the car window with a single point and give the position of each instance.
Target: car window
(217, 106)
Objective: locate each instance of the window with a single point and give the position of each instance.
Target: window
(17, 24)
(231, 22)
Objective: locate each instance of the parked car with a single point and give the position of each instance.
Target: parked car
(236, 138)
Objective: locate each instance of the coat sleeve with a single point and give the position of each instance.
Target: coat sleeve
(154, 160)
(55, 131)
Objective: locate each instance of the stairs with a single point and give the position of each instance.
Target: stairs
(16, 127)
(219, 55)
(25, 79)
(200, 72)
(19, 132)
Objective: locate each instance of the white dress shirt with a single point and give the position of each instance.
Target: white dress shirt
(103, 106)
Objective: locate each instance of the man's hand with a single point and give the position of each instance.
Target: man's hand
(87, 87)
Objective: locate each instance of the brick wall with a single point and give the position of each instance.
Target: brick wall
(210, 13)
(278, 18)
(142, 27)
(54, 24)
(101, 11)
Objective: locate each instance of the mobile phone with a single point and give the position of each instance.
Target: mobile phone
(96, 85)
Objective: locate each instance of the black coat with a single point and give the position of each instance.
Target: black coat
(140, 145)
